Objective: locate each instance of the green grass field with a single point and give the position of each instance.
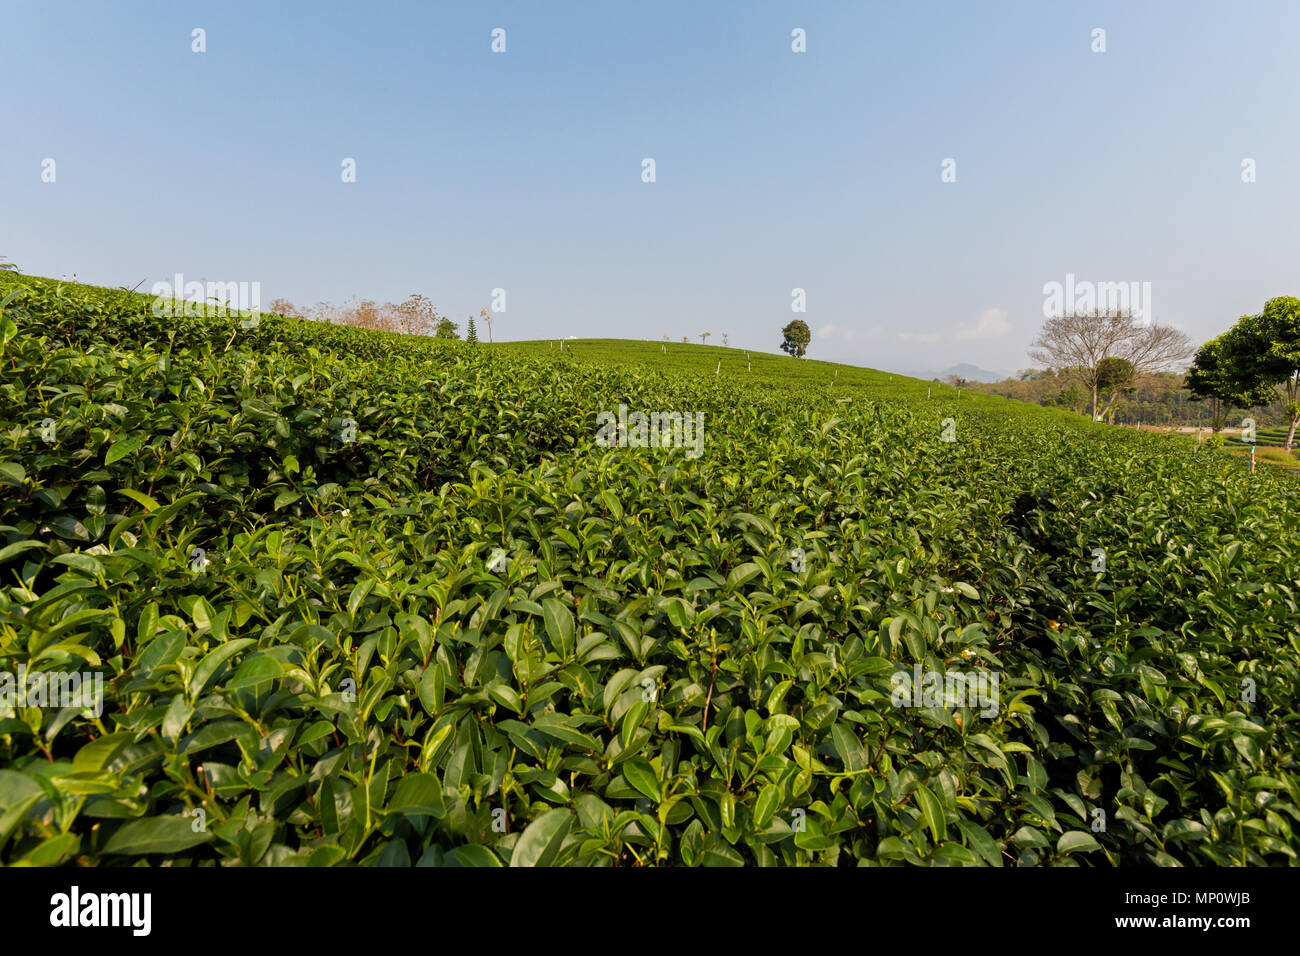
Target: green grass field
(356, 598)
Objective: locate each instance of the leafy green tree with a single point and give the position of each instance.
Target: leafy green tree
(1244, 366)
(1221, 374)
(1114, 373)
(447, 329)
(1264, 351)
(1072, 397)
(1115, 377)
(471, 334)
(797, 338)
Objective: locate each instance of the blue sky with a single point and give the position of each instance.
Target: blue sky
(775, 170)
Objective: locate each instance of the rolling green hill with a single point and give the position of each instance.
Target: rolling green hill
(361, 598)
(763, 368)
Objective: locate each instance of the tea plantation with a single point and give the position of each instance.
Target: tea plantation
(360, 598)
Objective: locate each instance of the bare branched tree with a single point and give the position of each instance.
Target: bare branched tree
(364, 314)
(284, 307)
(415, 316)
(1076, 344)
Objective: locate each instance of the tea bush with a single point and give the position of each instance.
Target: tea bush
(362, 598)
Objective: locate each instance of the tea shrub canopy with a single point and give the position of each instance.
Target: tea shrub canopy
(363, 598)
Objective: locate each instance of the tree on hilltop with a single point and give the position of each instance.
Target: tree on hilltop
(797, 336)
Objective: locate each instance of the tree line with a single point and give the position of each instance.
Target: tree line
(415, 316)
(1112, 367)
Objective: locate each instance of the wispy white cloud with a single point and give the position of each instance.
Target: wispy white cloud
(990, 324)
(927, 337)
(844, 334)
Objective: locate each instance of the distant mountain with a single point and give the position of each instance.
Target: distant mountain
(972, 373)
(966, 370)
